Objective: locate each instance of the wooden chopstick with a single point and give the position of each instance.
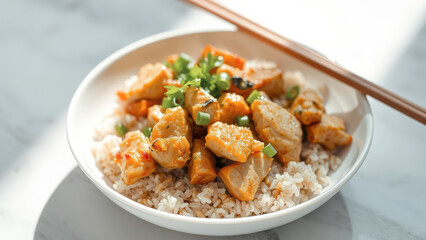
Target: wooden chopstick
(315, 60)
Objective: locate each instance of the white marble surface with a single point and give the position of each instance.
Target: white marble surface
(47, 47)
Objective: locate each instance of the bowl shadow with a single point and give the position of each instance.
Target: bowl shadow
(78, 210)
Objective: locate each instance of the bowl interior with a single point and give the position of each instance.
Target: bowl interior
(96, 96)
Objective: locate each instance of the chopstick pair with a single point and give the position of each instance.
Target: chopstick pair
(315, 60)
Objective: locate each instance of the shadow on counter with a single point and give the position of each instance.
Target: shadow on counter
(78, 210)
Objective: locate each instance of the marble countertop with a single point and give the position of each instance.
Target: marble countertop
(47, 47)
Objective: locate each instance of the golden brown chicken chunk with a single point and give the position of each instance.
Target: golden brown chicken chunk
(171, 152)
(272, 80)
(140, 108)
(307, 107)
(229, 58)
(330, 132)
(243, 179)
(230, 70)
(277, 126)
(264, 95)
(231, 106)
(198, 100)
(155, 113)
(201, 167)
(230, 141)
(174, 123)
(151, 79)
(238, 84)
(244, 81)
(257, 146)
(134, 158)
(170, 139)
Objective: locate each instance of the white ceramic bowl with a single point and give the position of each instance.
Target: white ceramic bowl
(96, 96)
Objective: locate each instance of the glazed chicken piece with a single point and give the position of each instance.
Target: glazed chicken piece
(307, 107)
(140, 108)
(229, 58)
(230, 141)
(238, 84)
(257, 146)
(264, 95)
(155, 113)
(134, 157)
(243, 179)
(174, 123)
(171, 138)
(201, 167)
(231, 106)
(198, 100)
(244, 81)
(277, 126)
(150, 83)
(171, 152)
(272, 82)
(230, 70)
(330, 132)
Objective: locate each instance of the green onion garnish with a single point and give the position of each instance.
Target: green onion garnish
(121, 129)
(253, 96)
(224, 81)
(147, 131)
(166, 102)
(242, 121)
(169, 102)
(202, 119)
(269, 150)
(292, 92)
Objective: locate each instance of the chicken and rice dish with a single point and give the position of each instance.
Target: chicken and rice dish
(218, 137)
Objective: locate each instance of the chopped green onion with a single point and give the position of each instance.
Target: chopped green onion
(269, 150)
(253, 96)
(166, 102)
(224, 81)
(169, 102)
(147, 131)
(243, 121)
(202, 119)
(121, 129)
(292, 92)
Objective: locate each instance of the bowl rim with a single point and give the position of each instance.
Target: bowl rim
(311, 203)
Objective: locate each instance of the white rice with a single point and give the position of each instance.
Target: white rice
(118, 115)
(170, 191)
